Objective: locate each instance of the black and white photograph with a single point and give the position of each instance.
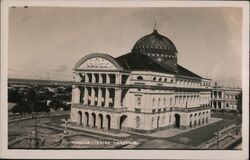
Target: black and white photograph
(121, 77)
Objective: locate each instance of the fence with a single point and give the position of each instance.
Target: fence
(223, 139)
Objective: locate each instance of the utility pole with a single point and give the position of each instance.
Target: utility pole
(36, 142)
(218, 130)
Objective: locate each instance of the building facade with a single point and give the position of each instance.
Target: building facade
(144, 90)
(226, 98)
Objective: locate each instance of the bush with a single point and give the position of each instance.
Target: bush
(222, 110)
(41, 107)
(233, 111)
(22, 107)
(213, 110)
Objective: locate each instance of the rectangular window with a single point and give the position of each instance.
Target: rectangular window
(137, 110)
(153, 110)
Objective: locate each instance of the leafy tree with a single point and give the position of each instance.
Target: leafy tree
(66, 107)
(47, 95)
(22, 107)
(55, 104)
(239, 102)
(40, 106)
(68, 89)
(32, 96)
(46, 109)
(14, 96)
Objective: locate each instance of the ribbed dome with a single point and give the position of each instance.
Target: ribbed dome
(155, 43)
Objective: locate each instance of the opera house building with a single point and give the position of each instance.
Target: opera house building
(145, 90)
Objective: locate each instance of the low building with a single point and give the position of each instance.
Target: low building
(144, 90)
(226, 98)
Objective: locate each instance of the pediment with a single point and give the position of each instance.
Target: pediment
(97, 63)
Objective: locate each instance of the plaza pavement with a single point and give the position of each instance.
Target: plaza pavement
(94, 131)
(163, 144)
(173, 131)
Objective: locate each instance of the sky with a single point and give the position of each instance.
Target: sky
(46, 42)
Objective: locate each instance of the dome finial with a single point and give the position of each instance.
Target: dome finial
(155, 25)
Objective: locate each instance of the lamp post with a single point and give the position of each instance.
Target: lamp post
(65, 125)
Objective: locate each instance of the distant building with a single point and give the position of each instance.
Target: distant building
(144, 90)
(226, 98)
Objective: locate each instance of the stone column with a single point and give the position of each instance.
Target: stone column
(86, 95)
(86, 78)
(190, 100)
(117, 103)
(99, 99)
(185, 101)
(117, 79)
(76, 94)
(105, 123)
(93, 78)
(196, 100)
(115, 123)
(107, 79)
(91, 121)
(92, 96)
(107, 97)
(98, 121)
(100, 78)
(84, 119)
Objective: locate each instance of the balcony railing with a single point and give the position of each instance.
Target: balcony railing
(191, 109)
(101, 108)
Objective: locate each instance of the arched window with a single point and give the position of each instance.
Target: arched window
(171, 101)
(165, 80)
(159, 79)
(153, 102)
(152, 122)
(138, 101)
(154, 78)
(137, 121)
(164, 102)
(139, 78)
